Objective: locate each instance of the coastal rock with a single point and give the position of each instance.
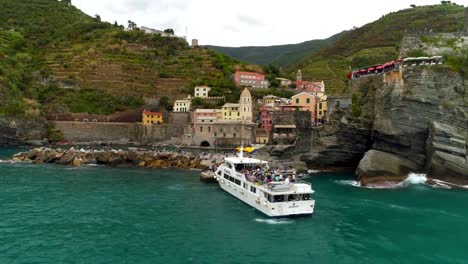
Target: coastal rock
(116, 160)
(102, 157)
(74, 157)
(77, 162)
(17, 131)
(342, 143)
(67, 157)
(447, 151)
(417, 114)
(378, 163)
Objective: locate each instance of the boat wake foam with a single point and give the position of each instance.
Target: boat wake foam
(349, 182)
(274, 221)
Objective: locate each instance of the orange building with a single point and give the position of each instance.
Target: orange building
(305, 102)
(149, 118)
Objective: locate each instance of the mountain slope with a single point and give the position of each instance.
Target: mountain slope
(280, 55)
(71, 62)
(376, 42)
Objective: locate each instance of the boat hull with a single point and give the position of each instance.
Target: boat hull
(259, 202)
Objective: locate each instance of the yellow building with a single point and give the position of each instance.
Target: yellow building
(322, 107)
(261, 136)
(150, 118)
(270, 99)
(230, 111)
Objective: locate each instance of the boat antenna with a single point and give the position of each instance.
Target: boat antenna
(241, 154)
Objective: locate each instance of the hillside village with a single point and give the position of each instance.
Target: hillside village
(250, 121)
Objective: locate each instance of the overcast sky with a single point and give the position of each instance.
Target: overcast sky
(248, 22)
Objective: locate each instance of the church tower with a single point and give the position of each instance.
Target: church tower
(245, 106)
(299, 76)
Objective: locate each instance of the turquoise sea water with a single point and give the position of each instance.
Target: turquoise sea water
(57, 214)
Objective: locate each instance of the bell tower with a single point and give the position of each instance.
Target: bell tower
(299, 76)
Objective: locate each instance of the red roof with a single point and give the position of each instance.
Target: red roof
(249, 73)
(371, 69)
(151, 113)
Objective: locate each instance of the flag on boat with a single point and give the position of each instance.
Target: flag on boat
(247, 149)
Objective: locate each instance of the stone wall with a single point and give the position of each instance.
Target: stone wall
(123, 132)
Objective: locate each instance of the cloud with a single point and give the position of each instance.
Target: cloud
(251, 21)
(231, 28)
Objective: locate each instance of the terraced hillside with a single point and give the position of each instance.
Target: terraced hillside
(71, 62)
(376, 42)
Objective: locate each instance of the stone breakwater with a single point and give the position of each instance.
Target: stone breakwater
(146, 159)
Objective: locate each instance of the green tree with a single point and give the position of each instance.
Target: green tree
(169, 31)
(97, 17)
(68, 2)
(131, 25)
(165, 102)
(413, 6)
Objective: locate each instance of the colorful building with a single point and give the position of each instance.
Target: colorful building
(266, 116)
(202, 91)
(270, 99)
(261, 136)
(207, 115)
(230, 111)
(182, 106)
(284, 82)
(250, 79)
(305, 102)
(149, 118)
(322, 108)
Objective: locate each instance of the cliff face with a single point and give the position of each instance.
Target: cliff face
(16, 131)
(413, 120)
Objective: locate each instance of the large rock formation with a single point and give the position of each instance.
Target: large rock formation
(379, 163)
(342, 143)
(446, 151)
(16, 131)
(415, 118)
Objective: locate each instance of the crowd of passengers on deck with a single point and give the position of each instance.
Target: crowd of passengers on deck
(261, 175)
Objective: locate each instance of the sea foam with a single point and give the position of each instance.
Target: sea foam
(274, 221)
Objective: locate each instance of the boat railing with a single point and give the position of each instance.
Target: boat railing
(304, 182)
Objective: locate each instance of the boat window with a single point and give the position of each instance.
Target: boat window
(305, 196)
(237, 182)
(270, 198)
(245, 185)
(294, 197)
(226, 176)
(278, 198)
(253, 189)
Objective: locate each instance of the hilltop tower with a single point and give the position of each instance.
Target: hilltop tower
(299, 76)
(245, 106)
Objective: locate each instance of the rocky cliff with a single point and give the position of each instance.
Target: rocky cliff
(413, 120)
(17, 131)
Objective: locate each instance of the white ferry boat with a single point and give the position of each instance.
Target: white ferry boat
(273, 198)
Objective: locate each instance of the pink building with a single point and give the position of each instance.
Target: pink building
(251, 79)
(206, 115)
(265, 117)
(310, 87)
